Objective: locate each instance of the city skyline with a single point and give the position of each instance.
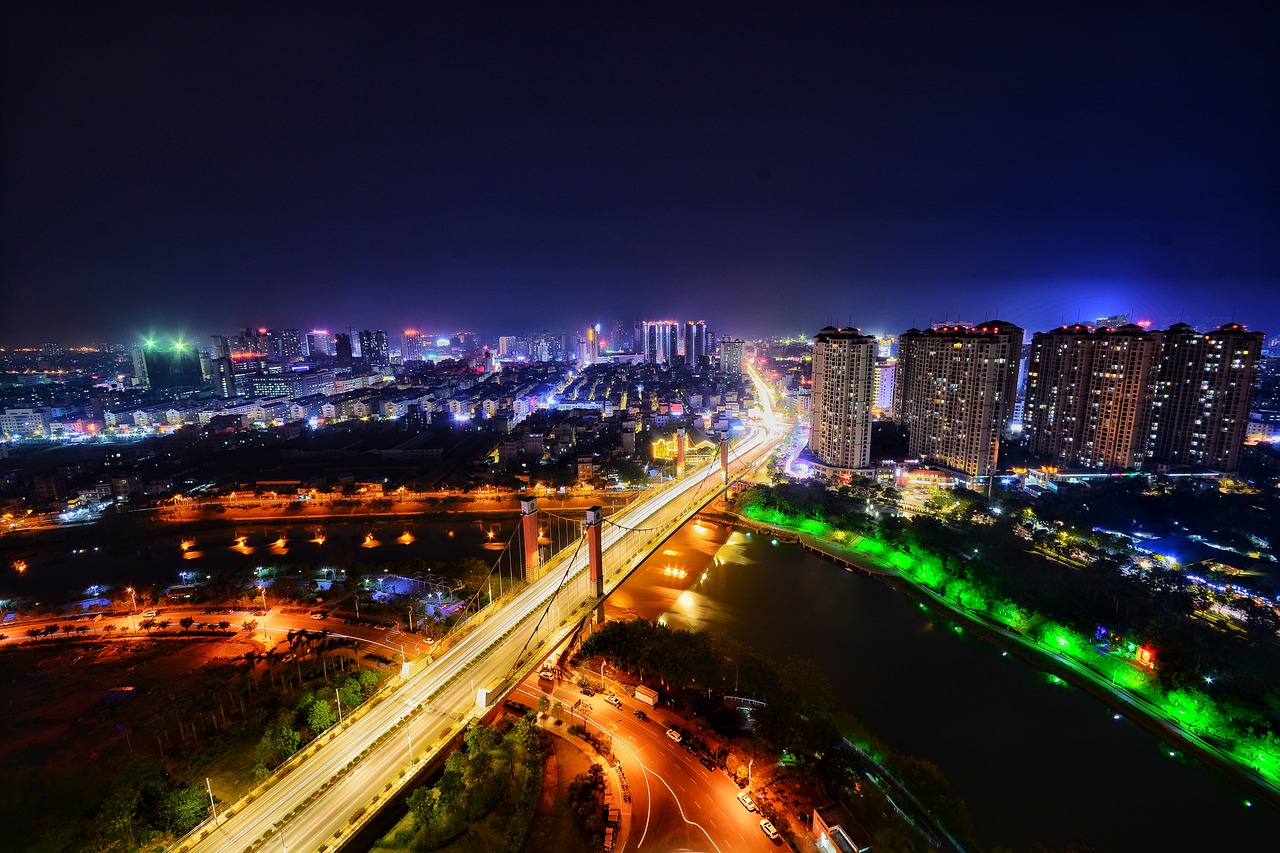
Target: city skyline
(171, 168)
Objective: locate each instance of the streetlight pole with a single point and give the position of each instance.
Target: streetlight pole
(133, 597)
(749, 764)
(338, 696)
(212, 804)
(410, 737)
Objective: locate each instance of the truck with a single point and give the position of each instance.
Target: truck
(647, 695)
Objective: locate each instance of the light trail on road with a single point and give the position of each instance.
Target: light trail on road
(323, 790)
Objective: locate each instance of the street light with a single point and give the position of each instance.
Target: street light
(262, 591)
(133, 596)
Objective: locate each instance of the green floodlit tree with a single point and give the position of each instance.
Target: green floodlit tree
(350, 694)
(183, 809)
(368, 682)
(320, 716)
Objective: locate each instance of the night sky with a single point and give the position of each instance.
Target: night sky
(508, 169)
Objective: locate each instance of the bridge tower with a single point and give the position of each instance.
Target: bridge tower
(724, 455)
(595, 557)
(529, 533)
(680, 444)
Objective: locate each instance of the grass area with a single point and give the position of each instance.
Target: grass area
(558, 828)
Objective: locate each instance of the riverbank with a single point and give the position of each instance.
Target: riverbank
(893, 569)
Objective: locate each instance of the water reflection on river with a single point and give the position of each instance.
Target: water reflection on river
(157, 555)
(1036, 763)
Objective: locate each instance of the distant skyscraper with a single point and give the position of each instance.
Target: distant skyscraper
(1090, 394)
(661, 341)
(955, 392)
(1115, 321)
(165, 368)
(319, 343)
(732, 355)
(224, 377)
(375, 350)
(285, 345)
(695, 344)
(414, 345)
(886, 379)
(1203, 392)
(843, 394)
(507, 346)
(342, 347)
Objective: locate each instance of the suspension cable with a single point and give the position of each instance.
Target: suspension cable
(551, 600)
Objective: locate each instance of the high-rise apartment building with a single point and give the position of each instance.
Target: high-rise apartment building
(1123, 397)
(661, 341)
(319, 343)
(375, 350)
(886, 380)
(414, 345)
(843, 394)
(955, 391)
(695, 344)
(1203, 392)
(733, 354)
(342, 349)
(1090, 394)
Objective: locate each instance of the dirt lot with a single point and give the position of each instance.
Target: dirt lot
(71, 718)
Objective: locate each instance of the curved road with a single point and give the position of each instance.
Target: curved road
(325, 798)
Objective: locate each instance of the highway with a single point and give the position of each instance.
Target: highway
(323, 799)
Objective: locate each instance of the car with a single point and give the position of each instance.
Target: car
(319, 614)
(517, 707)
(674, 735)
(614, 701)
(587, 691)
(150, 614)
(747, 803)
(707, 763)
(767, 828)
(640, 715)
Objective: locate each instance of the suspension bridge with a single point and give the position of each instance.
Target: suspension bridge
(555, 572)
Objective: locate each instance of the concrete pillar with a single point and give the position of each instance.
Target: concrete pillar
(680, 442)
(529, 533)
(595, 557)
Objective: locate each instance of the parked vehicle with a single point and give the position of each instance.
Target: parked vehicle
(674, 735)
(767, 828)
(747, 802)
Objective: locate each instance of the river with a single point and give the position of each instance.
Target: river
(1037, 763)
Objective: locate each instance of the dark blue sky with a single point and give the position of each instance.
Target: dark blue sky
(383, 165)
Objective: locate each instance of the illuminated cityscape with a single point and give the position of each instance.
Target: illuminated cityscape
(617, 429)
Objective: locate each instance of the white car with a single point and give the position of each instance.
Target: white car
(747, 802)
(150, 614)
(614, 701)
(767, 828)
(674, 735)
